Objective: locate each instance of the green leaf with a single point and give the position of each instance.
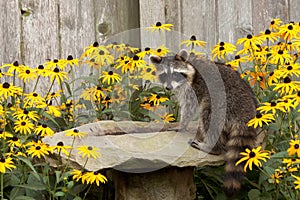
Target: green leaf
(254, 194)
(24, 198)
(59, 194)
(57, 176)
(32, 186)
(15, 192)
(68, 88)
(150, 114)
(28, 163)
(91, 79)
(45, 114)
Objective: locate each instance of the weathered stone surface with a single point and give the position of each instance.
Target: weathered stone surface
(136, 147)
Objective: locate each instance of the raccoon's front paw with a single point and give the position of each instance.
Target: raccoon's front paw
(203, 147)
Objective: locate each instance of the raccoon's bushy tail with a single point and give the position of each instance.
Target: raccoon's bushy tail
(240, 138)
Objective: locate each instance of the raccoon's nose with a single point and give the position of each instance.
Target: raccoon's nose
(169, 87)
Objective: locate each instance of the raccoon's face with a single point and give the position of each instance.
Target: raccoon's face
(173, 71)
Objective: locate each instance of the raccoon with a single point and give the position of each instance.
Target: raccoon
(189, 77)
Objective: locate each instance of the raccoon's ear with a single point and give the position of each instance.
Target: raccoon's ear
(183, 55)
(155, 59)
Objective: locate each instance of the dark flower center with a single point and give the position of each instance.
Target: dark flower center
(193, 38)
(222, 43)
(40, 67)
(27, 71)
(15, 139)
(287, 80)
(267, 32)
(37, 148)
(6, 85)
(296, 146)
(16, 64)
(147, 49)
(56, 70)
(273, 104)
(44, 125)
(35, 94)
(23, 123)
(237, 57)
(96, 173)
(90, 148)
(271, 73)
(70, 57)
(107, 98)
(25, 112)
(1, 131)
(101, 52)
(96, 44)
(221, 48)
(2, 160)
(75, 130)
(258, 115)
(110, 73)
(55, 61)
(60, 144)
(272, 22)
(290, 27)
(148, 70)
(53, 93)
(289, 67)
(158, 50)
(157, 97)
(298, 94)
(252, 154)
(158, 24)
(280, 52)
(135, 57)
(249, 36)
(126, 62)
(99, 88)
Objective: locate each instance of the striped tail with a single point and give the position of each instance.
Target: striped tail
(240, 138)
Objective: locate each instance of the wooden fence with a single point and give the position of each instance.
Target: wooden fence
(32, 31)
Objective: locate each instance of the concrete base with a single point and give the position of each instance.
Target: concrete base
(172, 183)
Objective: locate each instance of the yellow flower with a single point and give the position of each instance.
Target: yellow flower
(289, 161)
(193, 42)
(38, 149)
(137, 62)
(261, 119)
(161, 51)
(77, 175)
(27, 74)
(157, 99)
(288, 31)
(110, 77)
(280, 57)
(7, 90)
(43, 130)
(55, 63)
(6, 163)
(253, 157)
(71, 61)
(147, 51)
(287, 87)
(250, 42)
(167, 118)
(20, 113)
(160, 27)
(93, 94)
(275, 23)
(273, 77)
(89, 151)
(269, 36)
(43, 71)
(276, 177)
(290, 70)
(14, 142)
(222, 49)
(61, 148)
(57, 74)
(13, 67)
(94, 177)
(294, 148)
(102, 58)
(24, 126)
(5, 134)
(75, 133)
(297, 182)
(273, 107)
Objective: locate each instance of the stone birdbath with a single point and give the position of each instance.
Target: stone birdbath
(147, 161)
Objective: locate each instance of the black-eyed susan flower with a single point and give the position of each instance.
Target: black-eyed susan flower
(138, 62)
(273, 77)
(6, 163)
(13, 67)
(89, 151)
(160, 27)
(116, 47)
(290, 161)
(157, 99)
(53, 110)
(61, 148)
(38, 149)
(161, 51)
(235, 63)
(147, 51)
(94, 93)
(71, 61)
(272, 107)
(148, 73)
(294, 148)
(5, 134)
(58, 74)
(288, 31)
(14, 142)
(290, 70)
(23, 113)
(280, 57)
(77, 175)
(43, 130)
(275, 178)
(43, 71)
(23, 126)
(193, 42)
(27, 74)
(297, 182)
(222, 49)
(102, 58)
(75, 133)
(268, 35)
(287, 86)
(2, 73)
(93, 49)
(32, 98)
(167, 118)
(258, 77)
(125, 63)
(106, 101)
(7, 90)
(250, 42)
(55, 63)
(275, 24)
(253, 157)
(110, 77)
(261, 119)
(94, 177)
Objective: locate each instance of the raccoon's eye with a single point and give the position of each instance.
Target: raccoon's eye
(162, 77)
(177, 76)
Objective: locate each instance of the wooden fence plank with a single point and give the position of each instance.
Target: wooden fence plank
(244, 24)
(40, 31)
(10, 31)
(294, 8)
(199, 18)
(266, 10)
(227, 19)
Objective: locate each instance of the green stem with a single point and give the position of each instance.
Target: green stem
(87, 191)
(86, 162)
(50, 88)
(37, 80)
(2, 191)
